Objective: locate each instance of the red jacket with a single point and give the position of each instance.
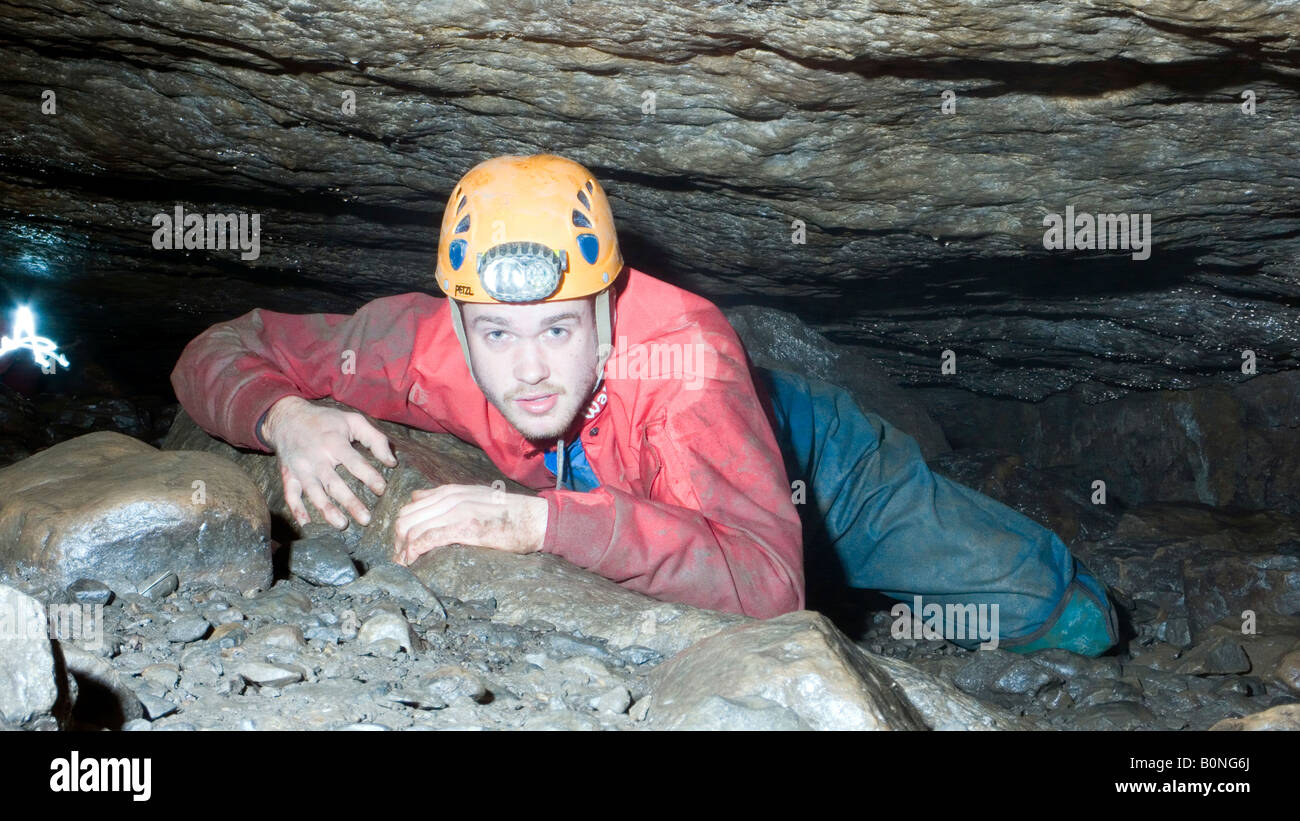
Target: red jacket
(693, 504)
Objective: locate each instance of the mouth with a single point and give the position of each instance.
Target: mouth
(539, 404)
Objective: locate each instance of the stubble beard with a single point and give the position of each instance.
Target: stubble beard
(555, 424)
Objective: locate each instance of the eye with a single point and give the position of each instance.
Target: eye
(495, 336)
(557, 332)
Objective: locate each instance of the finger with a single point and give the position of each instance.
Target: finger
(293, 497)
(374, 439)
(363, 470)
(422, 499)
(417, 513)
(428, 536)
(416, 550)
(421, 493)
(436, 505)
(341, 493)
(462, 492)
(316, 493)
(449, 514)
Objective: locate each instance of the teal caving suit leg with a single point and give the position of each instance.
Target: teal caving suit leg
(877, 517)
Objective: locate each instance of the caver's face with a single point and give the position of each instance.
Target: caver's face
(536, 362)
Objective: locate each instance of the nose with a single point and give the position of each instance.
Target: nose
(530, 363)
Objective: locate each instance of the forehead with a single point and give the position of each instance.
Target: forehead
(532, 314)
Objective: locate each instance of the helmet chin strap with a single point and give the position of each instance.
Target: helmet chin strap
(604, 336)
(458, 324)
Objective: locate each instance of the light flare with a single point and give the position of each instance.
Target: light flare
(44, 350)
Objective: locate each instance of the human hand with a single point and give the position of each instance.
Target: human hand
(470, 515)
(310, 440)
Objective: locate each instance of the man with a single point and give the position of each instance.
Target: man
(628, 403)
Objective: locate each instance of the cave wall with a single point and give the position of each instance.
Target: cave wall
(715, 128)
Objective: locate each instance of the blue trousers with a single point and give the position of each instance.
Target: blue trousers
(877, 517)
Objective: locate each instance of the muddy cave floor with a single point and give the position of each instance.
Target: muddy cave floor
(205, 658)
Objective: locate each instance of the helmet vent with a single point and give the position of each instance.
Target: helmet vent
(461, 204)
(590, 190)
(582, 198)
(580, 219)
(462, 226)
(589, 245)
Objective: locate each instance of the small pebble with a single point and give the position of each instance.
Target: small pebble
(155, 707)
(614, 701)
(322, 561)
(282, 636)
(164, 675)
(387, 626)
(160, 586)
(89, 591)
(450, 683)
(226, 615)
(269, 675)
(231, 634)
(187, 629)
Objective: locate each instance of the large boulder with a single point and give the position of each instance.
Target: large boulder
(791, 672)
(29, 676)
(548, 588)
(108, 507)
(1281, 717)
(424, 460)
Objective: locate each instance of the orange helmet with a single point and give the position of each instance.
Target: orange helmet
(527, 229)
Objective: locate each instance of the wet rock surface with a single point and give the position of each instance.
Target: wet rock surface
(424, 460)
(923, 229)
(792, 668)
(780, 340)
(110, 508)
(29, 677)
(472, 638)
(365, 656)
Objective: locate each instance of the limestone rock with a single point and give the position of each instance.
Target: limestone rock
(323, 560)
(391, 627)
(1282, 717)
(799, 662)
(921, 230)
(1217, 656)
(548, 588)
(424, 460)
(1221, 445)
(109, 507)
(1003, 677)
(397, 581)
(29, 684)
(1057, 500)
(269, 675)
(944, 707)
(1287, 670)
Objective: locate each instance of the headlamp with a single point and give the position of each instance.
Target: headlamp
(521, 271)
